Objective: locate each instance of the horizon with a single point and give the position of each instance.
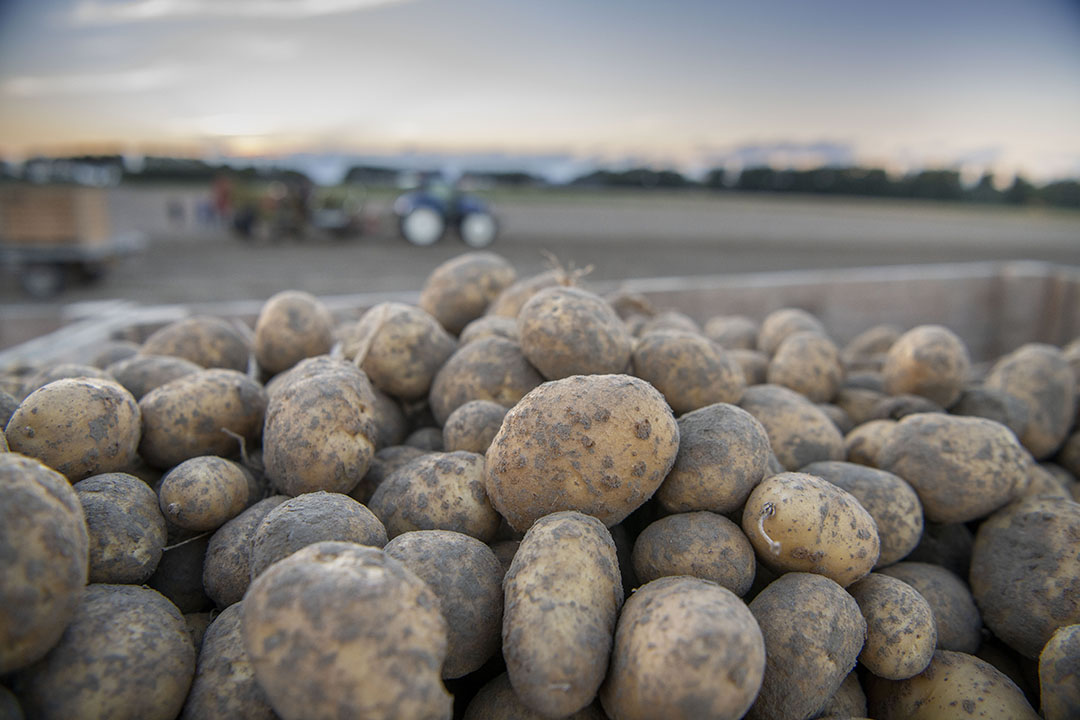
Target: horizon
(691, 86)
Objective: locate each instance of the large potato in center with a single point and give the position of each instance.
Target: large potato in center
(599, 444)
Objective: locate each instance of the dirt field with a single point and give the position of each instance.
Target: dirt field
(620, 234)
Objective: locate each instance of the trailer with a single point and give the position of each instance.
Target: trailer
(53, 234)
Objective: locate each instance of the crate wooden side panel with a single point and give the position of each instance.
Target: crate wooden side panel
(51, 216)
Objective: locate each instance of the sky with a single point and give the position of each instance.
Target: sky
(974, 85)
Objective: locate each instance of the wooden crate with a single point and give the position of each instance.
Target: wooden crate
(53, 216)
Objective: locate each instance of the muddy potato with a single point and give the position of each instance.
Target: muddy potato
(461, 289)
(561, 599)
(723, 453)
(858, 403)
(892, 503)
(320, 432)
(963, 468)
(958, 623)
(439, 491)
(865, 441)
(391, 425)
(799, 432)
(600, 444)
(3, 442)
(126, 654)
(801, 523)
(203, 493)
(1059, 674)
(178, 575)
(200, 414)
(227, 565)
(685, 648)
(930, 361)
(513, 297)
(754, 364)
(224, 684)
(945, 544)
(996, 405)
(489, 326)
(292, 325)
(954, 685)
(778, 324)
(869, 346)
(197, 623)
(44, 560)
(466, 577)
(837, 416)
(7, 407)
(429, 439)
(813, 633)
(688, 369)
(808, 363)
(732, 332)
(339, 625)
(846, 703)
(492, 369)
(670, 321)
(142, 373)
(900, 631)
(898, 407)
(382, 464)
(698, 544)
(1069, 457)
(568, 331)
(210, 342)
(473, 426)
(10, 709)
(77, 426)
(126, 528)
(1041, 481)
(1040, 377)
(402, 347)
(504, 552)
(308, 519)
(497, 701)
(62, 371)
(1025, 571)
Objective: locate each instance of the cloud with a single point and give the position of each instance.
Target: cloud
(103, 12)
(123, 81)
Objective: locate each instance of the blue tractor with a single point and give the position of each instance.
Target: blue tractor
(424, 214)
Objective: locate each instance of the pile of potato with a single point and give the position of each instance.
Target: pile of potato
(520, 499)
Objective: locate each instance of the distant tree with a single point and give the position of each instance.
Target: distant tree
(1021, 192)
(757, 179)
(371, 174)
(984, 191)
(714, 179)
(1064, 193)
(934, 185)
(634, 178)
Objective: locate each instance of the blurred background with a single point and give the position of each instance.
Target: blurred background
(170, 151)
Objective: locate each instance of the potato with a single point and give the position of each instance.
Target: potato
(754, 364)
(473, 426)
(62, 371)
(561, 599)
(77, 426)
(227, 565)
(799, 432)
(1069, 457)
(439, 491)
(798, 522)
(954, 685)
(864, 442)
(781, 323)
(847, 702)
(488, 369)
(890, 501)
(126, 654)
(203, 493)
(11, 710)
(866, 380)
(900, 631)
(224, 684)
(1040, 377)
(3, 442)
(600, 444)
(429, 439)
(948, 545)
(568, 331)
(898, 407)
(1059, 674)
(497, 701)
(200, 414)
(723, 454)
(461, 289)
(689, 370)
(310, 518)
(837, 416)
(813, 633)
(504, 552)
(869, 346)
(732, 332)
(382, 464)
(1025, 569)
(402, 348)
(320, 432)
(1043, 482)
(670, 321)
(513, 297)
(341, 628)
(858, 403)
(197, 623)
(107, 352)
(126, 528)
(178, 575)
(490, 326)
(962, 468)
(808, 363)
(996, 405)
(930, 361)
(698, 544)
(292, 325)
(391, 425)
(684, 648)
(7, 408)
(466, 577)
(142, 373)
(958, 622)
(209, 342)
(44, 558)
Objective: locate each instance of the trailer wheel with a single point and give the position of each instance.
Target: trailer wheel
(478, 229)
(42, 280)
(423, 226)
